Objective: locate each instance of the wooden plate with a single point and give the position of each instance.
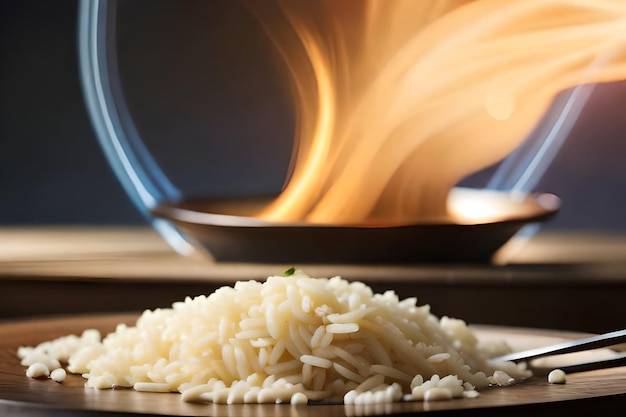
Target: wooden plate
(596, 391)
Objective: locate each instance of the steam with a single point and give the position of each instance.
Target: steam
(398, 100)
(521, 171)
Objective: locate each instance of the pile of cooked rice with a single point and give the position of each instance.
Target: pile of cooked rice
(289, 339)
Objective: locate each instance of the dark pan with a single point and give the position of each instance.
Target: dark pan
(225, 228)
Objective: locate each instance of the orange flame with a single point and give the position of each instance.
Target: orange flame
(398, 100)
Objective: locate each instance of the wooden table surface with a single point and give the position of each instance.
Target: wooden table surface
(570, 281)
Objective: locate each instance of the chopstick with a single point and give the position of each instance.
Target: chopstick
(578, 345)
(590, 366)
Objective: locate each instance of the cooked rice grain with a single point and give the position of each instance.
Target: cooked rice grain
(289, 339)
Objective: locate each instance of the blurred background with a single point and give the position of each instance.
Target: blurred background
(51, 167)
(52, 170)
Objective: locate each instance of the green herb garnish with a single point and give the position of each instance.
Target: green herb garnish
(289, 272)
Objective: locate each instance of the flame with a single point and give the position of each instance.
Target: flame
(398, 100)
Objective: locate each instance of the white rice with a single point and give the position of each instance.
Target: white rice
(287, 340)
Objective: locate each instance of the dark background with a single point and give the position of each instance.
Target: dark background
(52, 170)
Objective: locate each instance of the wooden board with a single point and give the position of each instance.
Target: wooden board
(596, 391)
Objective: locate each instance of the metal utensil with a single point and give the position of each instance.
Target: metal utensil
(593, 342)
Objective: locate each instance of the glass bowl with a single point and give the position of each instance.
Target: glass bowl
(191, 108)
